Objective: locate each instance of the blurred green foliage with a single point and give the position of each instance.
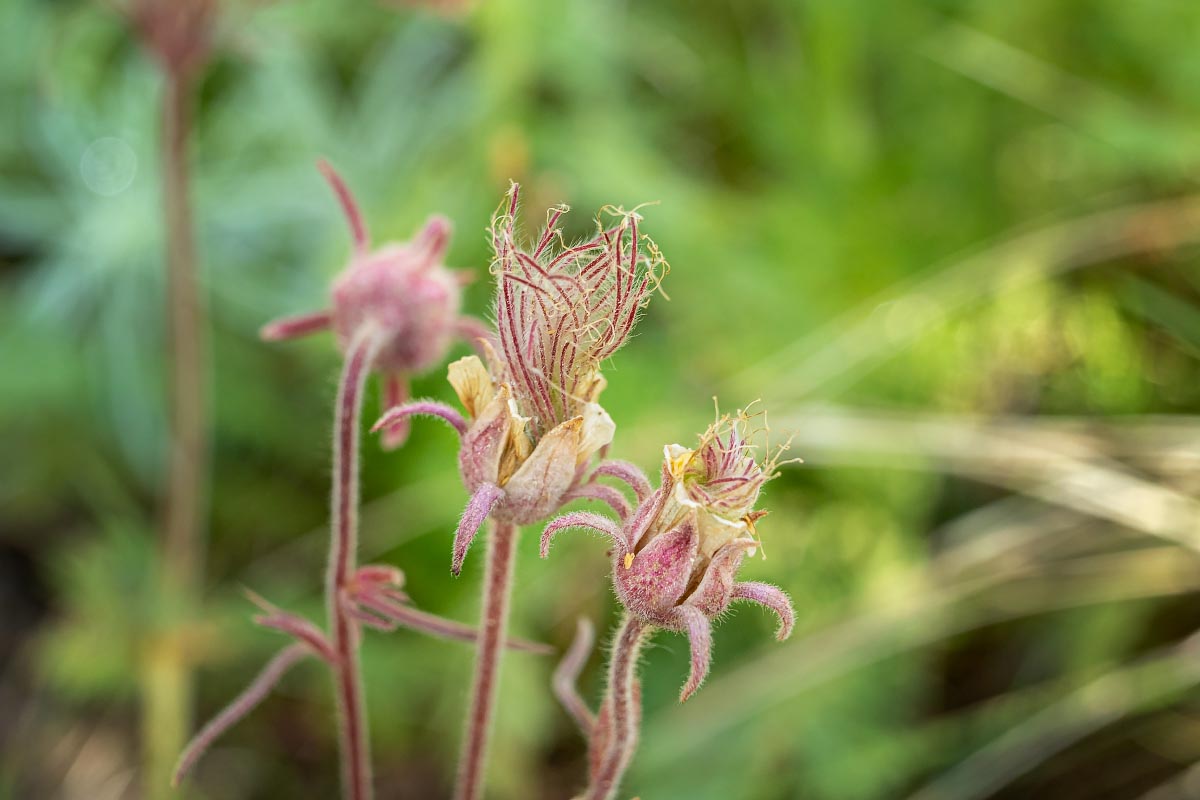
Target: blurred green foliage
(978, 216)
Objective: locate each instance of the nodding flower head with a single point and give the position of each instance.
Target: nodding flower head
(688, 539)
(403, 293)
(676, 557)
(406, 292)
(534, 420)
(560, 311)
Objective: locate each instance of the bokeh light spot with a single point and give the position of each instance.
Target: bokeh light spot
(108, 166)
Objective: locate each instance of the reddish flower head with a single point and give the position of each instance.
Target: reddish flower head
(676, 558)
(403, 293)
(534, 417)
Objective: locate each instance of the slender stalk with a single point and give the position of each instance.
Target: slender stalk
(343, 546)
(620, 738)
(497, 586)
(566, 678)
(167, 683)
(242, 705)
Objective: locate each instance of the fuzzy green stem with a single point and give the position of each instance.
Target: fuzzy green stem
(497, 588)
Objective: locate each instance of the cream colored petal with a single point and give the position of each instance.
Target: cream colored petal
(676, 458)
(594, 388)
(716, 532)
(471, 383)
(535, 491)
(519, 446)
(598, 429)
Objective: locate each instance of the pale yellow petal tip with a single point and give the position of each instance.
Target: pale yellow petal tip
(596, 432)
(677, 457)
(628, 560)
(597, 385)
(471, 383)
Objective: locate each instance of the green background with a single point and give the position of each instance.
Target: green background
(951, 246)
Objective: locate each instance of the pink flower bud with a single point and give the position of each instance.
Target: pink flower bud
(675, 559)
(707, 497)
(402, 289)
(403, 293)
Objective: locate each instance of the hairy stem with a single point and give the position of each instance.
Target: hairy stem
(620, 739)
(242, 705)
(167, 681)
(566, 678)
(343, 546)
(497, 587)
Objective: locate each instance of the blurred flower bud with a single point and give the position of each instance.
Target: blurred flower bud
(407, 293)
(403, 292)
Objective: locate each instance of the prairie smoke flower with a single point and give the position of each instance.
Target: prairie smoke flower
(533, 415)
(674, 562)
(675, 559)
(403, 293)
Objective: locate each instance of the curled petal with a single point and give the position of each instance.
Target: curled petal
(699, 632)
(295, 327)
(472, 383)
(566, 676)
(605, 494)
(582, 519)
(597, 431)
(242, 705)
(358, 228)
(627, 472)
(713, 594)
(422, 408)
(773, 598)
(478, 507)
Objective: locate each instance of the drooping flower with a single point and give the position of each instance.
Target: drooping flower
(676, 558)
(403, 292)
(534, 420)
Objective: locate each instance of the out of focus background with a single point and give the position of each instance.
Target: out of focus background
(952, 247)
